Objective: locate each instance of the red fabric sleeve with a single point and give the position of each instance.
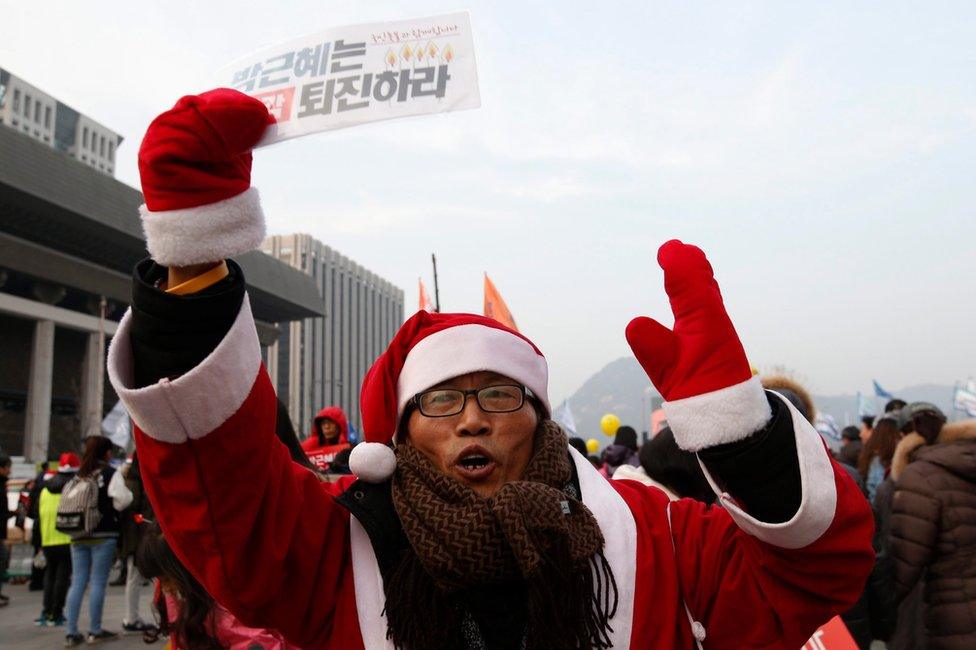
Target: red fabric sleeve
(751, 594)
(261, 533)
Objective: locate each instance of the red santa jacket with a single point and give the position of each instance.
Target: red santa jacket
(279, 552)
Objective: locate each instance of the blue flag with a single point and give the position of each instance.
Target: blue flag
(881, 392)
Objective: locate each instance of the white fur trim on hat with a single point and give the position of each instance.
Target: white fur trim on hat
(373, 462)
(719, 417)
(463, 349)
(206, 233)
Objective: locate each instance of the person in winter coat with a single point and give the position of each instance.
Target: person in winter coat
(330, 427)
(850, 446)
(5, 515)
(898, 621)
(932, 539)
(623, 451)
(875, 460)
(471, 523)
(92, 555)
(55, 545)
(132, 531)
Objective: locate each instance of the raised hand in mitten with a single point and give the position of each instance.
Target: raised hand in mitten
(195, 166)
(698, 366)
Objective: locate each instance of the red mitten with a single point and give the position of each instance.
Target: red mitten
(195, 166)
(699, 366)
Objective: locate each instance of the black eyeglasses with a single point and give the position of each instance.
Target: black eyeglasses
(442, 402)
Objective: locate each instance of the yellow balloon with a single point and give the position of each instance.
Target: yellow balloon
(610, 423)
(592, 445)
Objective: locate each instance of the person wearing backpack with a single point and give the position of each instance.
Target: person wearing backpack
(89, 509)
(55, 545)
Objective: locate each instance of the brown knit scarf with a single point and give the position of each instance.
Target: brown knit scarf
(530, 529)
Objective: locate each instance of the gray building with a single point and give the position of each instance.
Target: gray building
(69, 238)
(31, 111)
(320, 362)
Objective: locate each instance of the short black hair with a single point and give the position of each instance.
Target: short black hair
(4, 460)
(675, 468)
(895, 405)
(868, 421)
(850, 432)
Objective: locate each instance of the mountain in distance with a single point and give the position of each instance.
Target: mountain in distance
(619, 387)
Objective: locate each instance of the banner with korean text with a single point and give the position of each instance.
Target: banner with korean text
(362, 73)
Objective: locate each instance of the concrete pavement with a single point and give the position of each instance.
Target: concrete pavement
(17, 629)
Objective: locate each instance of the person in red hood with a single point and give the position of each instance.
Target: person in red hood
(329, 427)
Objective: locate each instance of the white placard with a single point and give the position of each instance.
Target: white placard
(351, 75)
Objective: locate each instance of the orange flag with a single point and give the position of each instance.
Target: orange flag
(425, 303)
(495, 307)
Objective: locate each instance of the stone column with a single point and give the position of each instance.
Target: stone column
(92, 386)
(37, 427)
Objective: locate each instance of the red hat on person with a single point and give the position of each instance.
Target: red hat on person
(428, 349)
(69, 462)
(195, 166)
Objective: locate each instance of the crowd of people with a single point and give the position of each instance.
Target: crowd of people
(466, 518)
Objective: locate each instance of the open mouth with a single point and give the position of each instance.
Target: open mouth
(474, 463)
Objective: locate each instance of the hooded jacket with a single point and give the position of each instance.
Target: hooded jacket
(337, 415)
(933, 531)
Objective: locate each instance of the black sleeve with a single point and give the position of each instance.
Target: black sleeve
(173, 334)
(761, 472)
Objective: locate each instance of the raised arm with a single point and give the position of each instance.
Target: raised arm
(791, 546)
(261, 533)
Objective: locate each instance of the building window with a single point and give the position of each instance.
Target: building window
(84, 158)
(47, 117)
(84, 139)
(101, 146)
(111, 151)
(16, 99)
(14, 122)
(47, 139)
(27, 106)
(37, 112)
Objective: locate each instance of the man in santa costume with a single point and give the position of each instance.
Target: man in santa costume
(472, 524)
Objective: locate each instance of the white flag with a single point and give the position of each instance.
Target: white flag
(117, 427)
(964, 400)
(827, 428)
(563, 416)
(865, 406)
(361, 73)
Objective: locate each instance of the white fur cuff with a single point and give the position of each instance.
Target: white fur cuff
(199, 401)
(207, 233)
(719, 417)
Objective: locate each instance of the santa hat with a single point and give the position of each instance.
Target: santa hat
(195, 166)
(428, 349)
(68, 462)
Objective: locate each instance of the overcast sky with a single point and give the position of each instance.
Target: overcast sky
(823, 157)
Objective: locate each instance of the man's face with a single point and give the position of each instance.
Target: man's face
(328, 428)
(505, 439)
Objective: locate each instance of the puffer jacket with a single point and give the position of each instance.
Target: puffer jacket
(933, 534)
